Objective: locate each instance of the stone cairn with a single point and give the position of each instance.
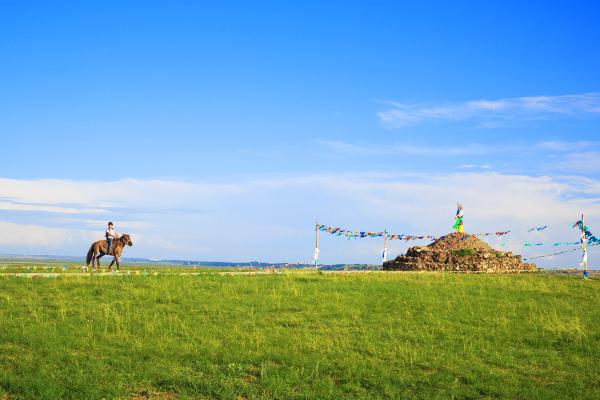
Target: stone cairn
(458, 252)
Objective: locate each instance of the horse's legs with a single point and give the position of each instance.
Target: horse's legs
(97, 258)
(118, 265)
(111, 264)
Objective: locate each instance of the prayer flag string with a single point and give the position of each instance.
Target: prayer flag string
(349, 234)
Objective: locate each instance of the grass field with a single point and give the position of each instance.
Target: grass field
(305, 336)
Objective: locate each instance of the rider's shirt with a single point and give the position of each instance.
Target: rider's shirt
(111, 233)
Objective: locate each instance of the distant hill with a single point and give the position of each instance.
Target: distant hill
(193, 263)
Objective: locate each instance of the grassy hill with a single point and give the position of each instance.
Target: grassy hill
(300, 335)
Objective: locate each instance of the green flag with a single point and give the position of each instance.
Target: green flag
(457, 223)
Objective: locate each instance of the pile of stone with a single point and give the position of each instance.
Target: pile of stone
(458, 252)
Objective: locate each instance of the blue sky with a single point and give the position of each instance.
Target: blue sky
(223, 131)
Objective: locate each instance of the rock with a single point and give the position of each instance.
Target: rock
(458, 252)
(440, 257)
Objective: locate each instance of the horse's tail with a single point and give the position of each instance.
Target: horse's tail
(90, 254)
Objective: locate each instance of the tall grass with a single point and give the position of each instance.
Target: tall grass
(300, 336)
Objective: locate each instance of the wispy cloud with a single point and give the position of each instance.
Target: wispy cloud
(490, 113)
(473, 166)
(581, 162)
(405, 149)
(567, 146)
(16, 205)
(466, 149)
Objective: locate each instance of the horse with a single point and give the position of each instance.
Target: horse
(100, 248)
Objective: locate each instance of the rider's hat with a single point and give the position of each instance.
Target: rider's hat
(110, 223)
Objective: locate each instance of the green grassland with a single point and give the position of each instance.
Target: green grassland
(41, 266)
(300, 336)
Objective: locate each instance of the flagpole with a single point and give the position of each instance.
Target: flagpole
(385, 237)
(584, 261)
(316, 243)
(583, 229)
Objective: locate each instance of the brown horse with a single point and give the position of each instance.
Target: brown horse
(100, 248)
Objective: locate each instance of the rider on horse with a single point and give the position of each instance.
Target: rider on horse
(110, 234)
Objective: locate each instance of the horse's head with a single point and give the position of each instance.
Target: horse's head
(126, 239)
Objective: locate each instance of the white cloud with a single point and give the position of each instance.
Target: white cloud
(30, 236)
(490, 112)
(78, 197)
(272, 219)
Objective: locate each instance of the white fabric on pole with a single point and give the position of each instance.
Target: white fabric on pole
(584, 260)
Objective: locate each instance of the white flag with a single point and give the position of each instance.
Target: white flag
(584, 260)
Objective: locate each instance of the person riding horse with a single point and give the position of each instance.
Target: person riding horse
(112, 245)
